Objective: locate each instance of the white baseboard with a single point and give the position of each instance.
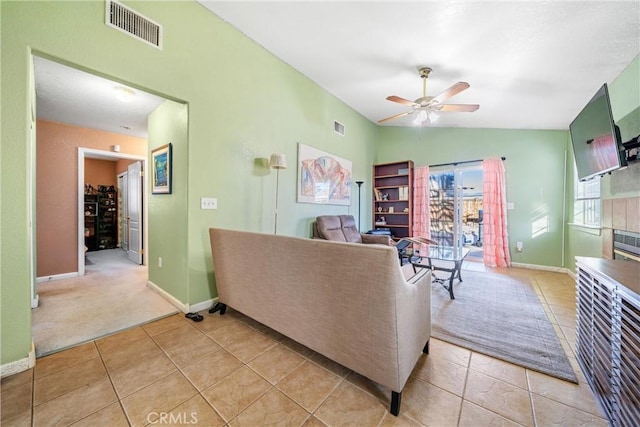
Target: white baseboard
(204, 305)
(44, 279)
(540, 267)
(19, 365)
(185, 308)
(166, 295)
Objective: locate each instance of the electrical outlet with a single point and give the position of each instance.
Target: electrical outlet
(208, 203)
(519, 246)
(160, 261)
(510, 206)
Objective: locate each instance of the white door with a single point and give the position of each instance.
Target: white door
(134, 218)
(123, 211)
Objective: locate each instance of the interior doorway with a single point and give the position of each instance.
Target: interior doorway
(72, 108)
(455, 203)
(128, 208)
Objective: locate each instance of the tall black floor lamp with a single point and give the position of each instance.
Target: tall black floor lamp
(359, 220)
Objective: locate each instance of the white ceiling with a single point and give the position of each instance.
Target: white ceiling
(530, 64)
(69, 95)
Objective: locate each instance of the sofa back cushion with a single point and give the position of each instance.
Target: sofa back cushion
(338, 228)
(350, 230)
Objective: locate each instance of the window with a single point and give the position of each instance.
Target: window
(586, 207)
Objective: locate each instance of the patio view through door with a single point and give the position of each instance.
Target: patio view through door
(455, 201)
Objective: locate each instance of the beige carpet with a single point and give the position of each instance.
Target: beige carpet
(111, 296)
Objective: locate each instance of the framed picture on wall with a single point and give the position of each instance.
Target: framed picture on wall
(323, 178)
(161, 168)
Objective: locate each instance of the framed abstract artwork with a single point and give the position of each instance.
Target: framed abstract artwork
(161, 168)
(322, 177)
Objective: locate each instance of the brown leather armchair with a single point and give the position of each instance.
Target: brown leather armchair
(342, 228)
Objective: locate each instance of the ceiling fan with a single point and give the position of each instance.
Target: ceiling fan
(426, 107)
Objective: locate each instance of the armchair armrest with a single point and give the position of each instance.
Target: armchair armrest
(380, 239)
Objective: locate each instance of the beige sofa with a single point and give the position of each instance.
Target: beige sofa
(347, 301)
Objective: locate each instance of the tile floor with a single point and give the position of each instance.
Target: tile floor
(230, 370)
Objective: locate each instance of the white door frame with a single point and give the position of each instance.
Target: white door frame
(90, 153)
(122, 202)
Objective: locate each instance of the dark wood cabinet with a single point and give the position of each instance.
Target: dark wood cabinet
(107, 217)
(90, 221)
(101, 218)
(393, 198)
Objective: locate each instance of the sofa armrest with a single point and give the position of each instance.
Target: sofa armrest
(380, 239)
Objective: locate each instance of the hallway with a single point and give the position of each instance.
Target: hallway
(112, 296)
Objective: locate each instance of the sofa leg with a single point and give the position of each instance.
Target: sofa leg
(395, 403)
(425, 350)
(222, 308)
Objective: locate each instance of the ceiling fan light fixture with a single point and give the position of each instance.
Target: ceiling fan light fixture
(124, 94)
(425, 118)
(427, 106)
(421, 118)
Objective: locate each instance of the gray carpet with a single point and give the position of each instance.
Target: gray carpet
(499, 316)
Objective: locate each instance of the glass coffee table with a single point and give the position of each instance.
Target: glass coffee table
(449, 260)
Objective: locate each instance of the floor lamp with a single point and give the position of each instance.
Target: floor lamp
(359, 183)
(277, 162)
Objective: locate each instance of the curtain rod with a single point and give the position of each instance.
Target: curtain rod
(460, 163)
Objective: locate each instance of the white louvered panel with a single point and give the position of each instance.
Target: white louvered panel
(608, 341)
(630, 360)
(130, 22)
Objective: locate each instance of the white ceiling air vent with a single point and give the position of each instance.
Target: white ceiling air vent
(131, 22)
(338, 128)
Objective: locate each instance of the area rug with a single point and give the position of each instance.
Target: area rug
(502, 317)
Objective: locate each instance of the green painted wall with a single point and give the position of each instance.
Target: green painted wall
(534, 168)
(168, 213)
(15, 197)
(624, 93)
(243, 104)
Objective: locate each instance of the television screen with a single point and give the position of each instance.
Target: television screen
(596, 141)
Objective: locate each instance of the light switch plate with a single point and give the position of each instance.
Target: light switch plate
(510, 206)
(208, 203)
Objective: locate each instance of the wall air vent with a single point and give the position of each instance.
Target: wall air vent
(338, 128)
(131, 22)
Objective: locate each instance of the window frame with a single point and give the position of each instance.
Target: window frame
(587, 203)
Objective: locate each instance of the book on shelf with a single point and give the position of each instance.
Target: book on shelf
(378, 194)
(402, 195)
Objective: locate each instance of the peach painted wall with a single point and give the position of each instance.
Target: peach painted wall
(57, 189)
(122, 165)
(100, 172)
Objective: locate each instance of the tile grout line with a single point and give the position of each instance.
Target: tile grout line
(112, 385)
(186, 377)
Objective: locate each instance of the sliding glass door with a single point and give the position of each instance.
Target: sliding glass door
(455, 200)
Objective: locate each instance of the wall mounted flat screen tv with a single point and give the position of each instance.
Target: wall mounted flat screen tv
(597, 146)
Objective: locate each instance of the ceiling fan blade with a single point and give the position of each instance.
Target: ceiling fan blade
(468, 108)
(394, 117)
(453, 90)
(399, 100)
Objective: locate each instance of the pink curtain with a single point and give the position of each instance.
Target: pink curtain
(494, 205)
(421, 213)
